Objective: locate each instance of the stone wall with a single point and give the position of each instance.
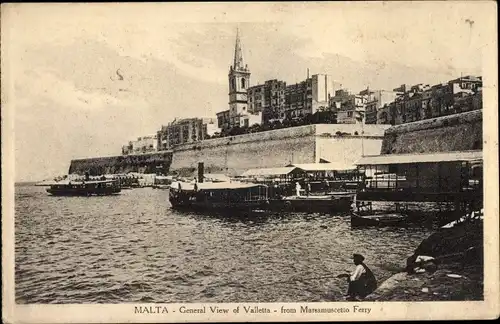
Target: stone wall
(277, 148)
(236, 154)
(143, 163)
(233, 155)
(458, 132)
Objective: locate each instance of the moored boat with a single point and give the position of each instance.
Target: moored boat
(218, 196)
(162, 182)
(331, 202)
(389, 219)
(83, 188)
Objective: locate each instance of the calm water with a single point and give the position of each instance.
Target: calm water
(132, 247)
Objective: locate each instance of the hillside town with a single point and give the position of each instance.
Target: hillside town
(319, 99)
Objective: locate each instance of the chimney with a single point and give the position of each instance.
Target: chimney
(200, 172)
(308, 73)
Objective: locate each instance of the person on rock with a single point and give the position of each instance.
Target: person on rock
(361, 281)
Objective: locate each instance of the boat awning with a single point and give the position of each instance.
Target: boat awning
(421, 158)
(164, 177)
(75, 182)
(268, 171)
(216, 185)
(219, 177)
(332, 166)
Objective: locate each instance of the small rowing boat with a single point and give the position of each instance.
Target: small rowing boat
(389, 219)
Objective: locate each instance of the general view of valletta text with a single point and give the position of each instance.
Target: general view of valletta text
(245, 162)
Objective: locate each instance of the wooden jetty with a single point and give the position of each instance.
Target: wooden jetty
(453, 179)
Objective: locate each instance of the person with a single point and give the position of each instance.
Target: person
(274, 189)
(308, 188)
(327, 186)
(361, 281)
(297, 188)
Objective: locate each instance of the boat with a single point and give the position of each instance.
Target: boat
(162, 182)
(83, 188)
(221, 196)
(380, 220)
(331, 202)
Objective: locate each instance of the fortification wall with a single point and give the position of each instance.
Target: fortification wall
(277, 148)
(234, 155)
(143, 163)
(346, 150)
(458, 132)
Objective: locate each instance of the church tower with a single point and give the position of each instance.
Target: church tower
(239, 81)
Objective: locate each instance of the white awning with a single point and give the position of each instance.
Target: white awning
(332, 166)
(215, 185)
(268, 171)
(421, 158)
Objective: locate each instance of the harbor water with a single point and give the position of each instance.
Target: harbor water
(133, 248)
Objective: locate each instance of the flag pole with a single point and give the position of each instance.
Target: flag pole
(362, 133)
(362, 136)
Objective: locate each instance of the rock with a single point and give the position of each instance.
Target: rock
(425, 290)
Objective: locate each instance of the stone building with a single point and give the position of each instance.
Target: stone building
(183, 131)
(144, 144)
(423, 101)
(350, 108)
(309, 96)
(268, 99)
(376, 100)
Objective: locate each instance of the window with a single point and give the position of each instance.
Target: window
(243, 83)
(233, 84)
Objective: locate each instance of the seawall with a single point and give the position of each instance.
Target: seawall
(277, 148)
(304, 144)
(143, 163)
(459, 132)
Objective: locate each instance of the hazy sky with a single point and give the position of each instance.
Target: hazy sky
(69, 102)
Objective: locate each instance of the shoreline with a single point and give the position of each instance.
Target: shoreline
(456, 272)
(437, 286)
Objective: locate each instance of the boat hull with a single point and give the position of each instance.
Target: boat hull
(328, 204)
(204, 206)
(391, 220)
(83, 191)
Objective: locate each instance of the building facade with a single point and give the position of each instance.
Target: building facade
(268, 99)
(423, 101)
(309, 96)
(350, 108)
(376, 100)
(184, 131)
(144, 144)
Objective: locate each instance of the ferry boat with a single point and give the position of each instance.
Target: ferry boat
(218, 196)
(83, 188)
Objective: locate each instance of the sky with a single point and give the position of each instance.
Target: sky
(84, 79)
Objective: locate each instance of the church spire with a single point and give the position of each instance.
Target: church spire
(238, 56)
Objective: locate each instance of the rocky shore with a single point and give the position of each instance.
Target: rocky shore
(454, 270)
